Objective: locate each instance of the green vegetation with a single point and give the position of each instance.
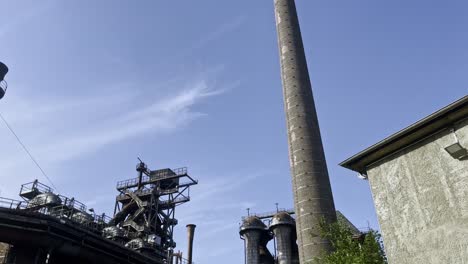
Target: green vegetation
(349, 248)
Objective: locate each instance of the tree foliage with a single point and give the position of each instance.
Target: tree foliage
(349, 248)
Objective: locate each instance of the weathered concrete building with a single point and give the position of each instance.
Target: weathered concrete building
(419, 181)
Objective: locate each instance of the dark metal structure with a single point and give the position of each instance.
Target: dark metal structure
(145, 207)
(313, 197)
(256, 236)
(3, 83)
(283, 226)
(47, 227)
(280, 227)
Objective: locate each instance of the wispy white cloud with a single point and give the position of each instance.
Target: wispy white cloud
(64, 128)
(163, 115)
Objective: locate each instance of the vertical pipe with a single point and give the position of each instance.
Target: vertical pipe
(282, 226)
(140, 169)
(245, 252)
(252, 244)
(313, 197)
(283, 235)
(190, 233)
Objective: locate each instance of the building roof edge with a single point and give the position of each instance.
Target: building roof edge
(423, 128)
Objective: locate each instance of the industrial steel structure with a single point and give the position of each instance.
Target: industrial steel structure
(280, 227)
(145, 207)
(47, 227)
(258, 229)
(283, 227)
(313, 197)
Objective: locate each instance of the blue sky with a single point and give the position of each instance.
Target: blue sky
(94, 84)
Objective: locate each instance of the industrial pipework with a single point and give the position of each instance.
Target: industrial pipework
(141, 230)
(190, 234)
(313, 199)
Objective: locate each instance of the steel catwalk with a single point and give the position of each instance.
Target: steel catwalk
(313, 197)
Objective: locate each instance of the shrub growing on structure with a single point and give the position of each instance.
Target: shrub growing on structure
(349, 248)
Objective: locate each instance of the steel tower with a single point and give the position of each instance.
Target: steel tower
(313, 197)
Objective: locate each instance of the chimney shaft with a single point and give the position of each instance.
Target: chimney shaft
(311, 185)
(190, 234)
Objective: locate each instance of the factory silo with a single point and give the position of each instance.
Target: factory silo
(313, 199)
(253, 232)
(283, 227)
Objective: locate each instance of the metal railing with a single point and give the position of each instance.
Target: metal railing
(12, 204)
(72, 203)
(174, 201)
(63, 212)
(153, 177)
(35, 186)
(77, 217)
(269, 214)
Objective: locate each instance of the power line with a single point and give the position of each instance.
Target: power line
(27, 151)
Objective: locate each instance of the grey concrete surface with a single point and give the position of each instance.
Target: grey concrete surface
(311, 185)
(421, 199)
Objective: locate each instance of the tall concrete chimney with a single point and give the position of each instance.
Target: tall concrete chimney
(313, 197)
(190, 233)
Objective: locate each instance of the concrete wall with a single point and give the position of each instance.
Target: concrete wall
(421, 199)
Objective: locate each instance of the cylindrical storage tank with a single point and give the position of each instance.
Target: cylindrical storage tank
(45, 199)
(282, 225)
(252, 230)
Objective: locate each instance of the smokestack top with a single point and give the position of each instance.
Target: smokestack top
(191, 226)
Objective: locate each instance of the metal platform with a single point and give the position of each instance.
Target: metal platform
(47, 227)
(37, 235)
